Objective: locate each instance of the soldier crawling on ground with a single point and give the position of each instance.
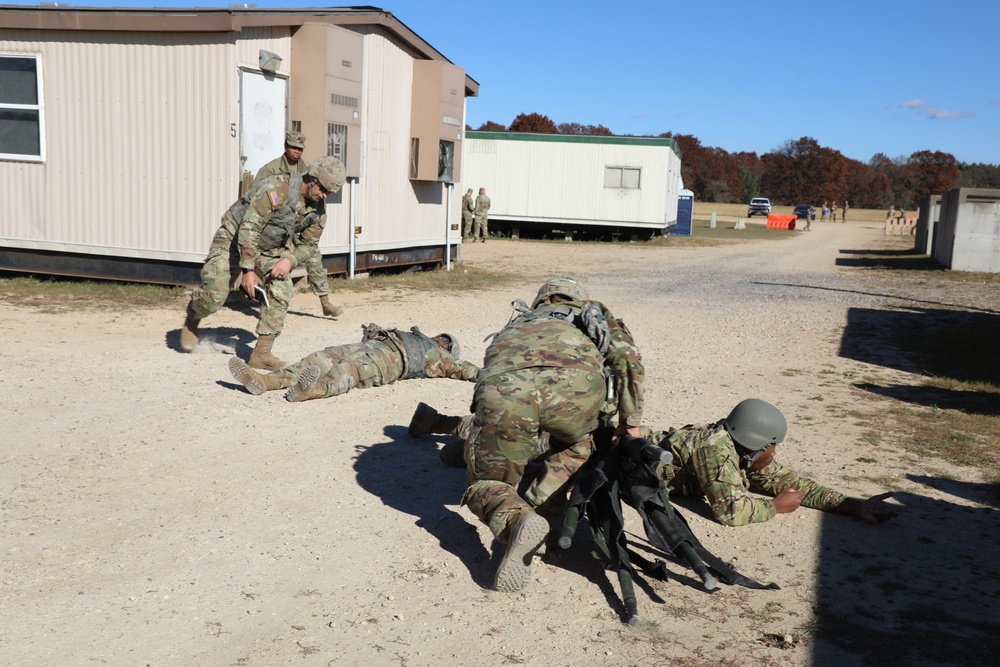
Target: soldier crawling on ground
(382, 357)
(719, 461)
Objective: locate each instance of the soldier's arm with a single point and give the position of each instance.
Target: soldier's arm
(441, 364)
(307, 242)
(626, 364)
(775, 478)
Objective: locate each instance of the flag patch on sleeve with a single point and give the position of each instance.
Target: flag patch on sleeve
(274, 198)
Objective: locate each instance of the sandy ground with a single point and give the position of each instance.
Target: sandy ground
(154, 513)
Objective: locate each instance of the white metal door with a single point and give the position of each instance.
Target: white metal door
(262, 118)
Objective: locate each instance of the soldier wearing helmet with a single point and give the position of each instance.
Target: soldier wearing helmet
(291, 162)
(272, 229)
(564, 366)
(719, 461)
(382, 357)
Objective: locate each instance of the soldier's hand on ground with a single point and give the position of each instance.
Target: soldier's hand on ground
(876, 510)
(788, 501)
(281, 269)
(249, 284)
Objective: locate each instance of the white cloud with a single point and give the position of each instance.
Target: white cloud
(933, 112)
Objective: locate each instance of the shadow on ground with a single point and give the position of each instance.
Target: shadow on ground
(921, 589)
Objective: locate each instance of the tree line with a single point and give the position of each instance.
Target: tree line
(800, 171)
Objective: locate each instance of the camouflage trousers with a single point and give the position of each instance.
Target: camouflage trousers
(342, 368)
(511, 412)
(466, 225)
(481, 227)
(316, 274)
(221, 275)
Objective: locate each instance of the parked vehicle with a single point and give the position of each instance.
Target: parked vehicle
(802, 211)
(759, 205)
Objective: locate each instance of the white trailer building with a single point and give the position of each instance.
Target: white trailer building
(125, 134)
(575, 183)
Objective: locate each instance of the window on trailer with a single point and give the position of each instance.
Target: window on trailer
(623, 177)
(21, 111)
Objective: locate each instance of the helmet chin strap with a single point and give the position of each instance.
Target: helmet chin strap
(751, 456)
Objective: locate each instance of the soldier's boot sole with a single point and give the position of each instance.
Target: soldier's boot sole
(515, 568)
(422, 421)
(307, 387)
(255, 383)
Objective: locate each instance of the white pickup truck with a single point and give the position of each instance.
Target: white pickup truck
(759, 205)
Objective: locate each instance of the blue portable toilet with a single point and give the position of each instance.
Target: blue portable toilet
(685, 213)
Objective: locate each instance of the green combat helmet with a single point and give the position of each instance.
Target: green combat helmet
(563, 286)
(755, 424)
(456, 350)
(329, 171)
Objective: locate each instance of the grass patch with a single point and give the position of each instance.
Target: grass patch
(62, 294)
(702, 235)
(59, 295)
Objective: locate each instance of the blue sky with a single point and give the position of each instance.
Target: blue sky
(862, 77)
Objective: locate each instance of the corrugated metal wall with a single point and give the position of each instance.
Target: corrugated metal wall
(564, 181)
(142, 134)
(392, 210)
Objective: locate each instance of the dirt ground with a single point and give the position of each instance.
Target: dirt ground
(154, 513)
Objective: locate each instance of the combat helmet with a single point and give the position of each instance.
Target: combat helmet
(755, 424)
(456, 350)
(563, 286)
(329, 171)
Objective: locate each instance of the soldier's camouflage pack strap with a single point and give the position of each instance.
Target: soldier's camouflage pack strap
(622, 472)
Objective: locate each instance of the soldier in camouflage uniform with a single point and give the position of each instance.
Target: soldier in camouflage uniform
(468, 213)
(545, 372)
(382, 357)
(481, 228)
(291, 162)
(709, 462)
(264, 235)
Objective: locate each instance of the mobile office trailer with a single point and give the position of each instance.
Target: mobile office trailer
(575, 183)
(125, 134)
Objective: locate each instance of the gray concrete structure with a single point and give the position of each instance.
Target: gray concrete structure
(967, 235)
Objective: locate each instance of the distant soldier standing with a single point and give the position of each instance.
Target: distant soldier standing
(482, 226)
(548, 370)
(291, 162)
(263, 236)
(468, 213)
(382, 357)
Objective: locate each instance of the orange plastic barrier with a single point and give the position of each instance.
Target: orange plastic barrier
(781, 222)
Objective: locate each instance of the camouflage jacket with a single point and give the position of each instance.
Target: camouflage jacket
(706, 463)
(468, 207)
(271, 215)
(548, 342)
(388, 360)
(482, 205)
(280, 165)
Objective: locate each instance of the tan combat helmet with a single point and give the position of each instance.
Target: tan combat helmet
(329, 171)
(562, 286)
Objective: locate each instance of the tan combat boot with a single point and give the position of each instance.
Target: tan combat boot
(526, 534)
(262, 357)
(329, 309)
(308, 387)
(256, 383)
(428, 420)
(189, 333)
